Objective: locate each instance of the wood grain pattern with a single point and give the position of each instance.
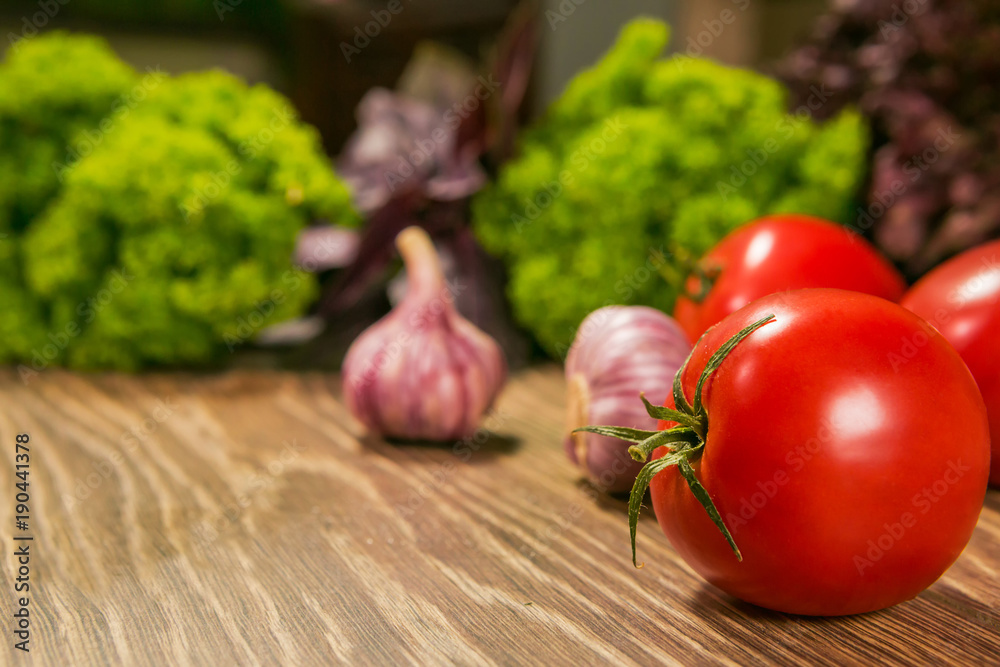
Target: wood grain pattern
(245, 519)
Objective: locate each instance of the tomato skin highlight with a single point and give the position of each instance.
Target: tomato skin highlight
(961, 299)
(849, 486)
(779, 253)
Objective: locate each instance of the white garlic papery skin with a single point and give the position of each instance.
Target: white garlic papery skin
(422, 372)
(618, 352)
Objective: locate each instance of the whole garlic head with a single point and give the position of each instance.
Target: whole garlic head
(422, 372)
(618, 352)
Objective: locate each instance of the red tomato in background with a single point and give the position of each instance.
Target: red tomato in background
(848, 485)
(784, 252)
(961, 299)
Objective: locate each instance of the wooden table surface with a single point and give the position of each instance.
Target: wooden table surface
(246, 519)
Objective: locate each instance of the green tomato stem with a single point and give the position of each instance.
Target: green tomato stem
(680, 436)
(620, 432)
(685, 442)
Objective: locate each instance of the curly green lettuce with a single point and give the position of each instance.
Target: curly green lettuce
(169, 242)
(641, 157)
(53, 90)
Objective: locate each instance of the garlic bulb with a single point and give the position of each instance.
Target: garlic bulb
(422, 372)
(618, 352)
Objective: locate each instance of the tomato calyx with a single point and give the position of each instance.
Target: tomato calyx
(686, 266)
(706, 274)
(684, 442)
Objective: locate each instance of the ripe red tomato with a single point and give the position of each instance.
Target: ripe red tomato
(778, 253)
(961, 299)
(847, 484)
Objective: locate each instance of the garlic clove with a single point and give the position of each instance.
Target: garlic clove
(423, 372)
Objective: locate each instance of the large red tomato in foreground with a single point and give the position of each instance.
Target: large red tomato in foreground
(961, 298)
(848, 485)
(778, 253)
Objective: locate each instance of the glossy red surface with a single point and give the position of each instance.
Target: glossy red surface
(785, 252)
(848, 483)
(961, 299)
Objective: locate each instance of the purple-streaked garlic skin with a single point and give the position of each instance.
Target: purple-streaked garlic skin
(422, 372)
(618, 352)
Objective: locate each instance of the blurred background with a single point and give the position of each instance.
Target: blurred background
(468, 119)
(294, 45)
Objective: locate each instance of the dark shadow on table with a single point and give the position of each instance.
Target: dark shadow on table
(482, 447)
(617, 502)
(710, 603)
